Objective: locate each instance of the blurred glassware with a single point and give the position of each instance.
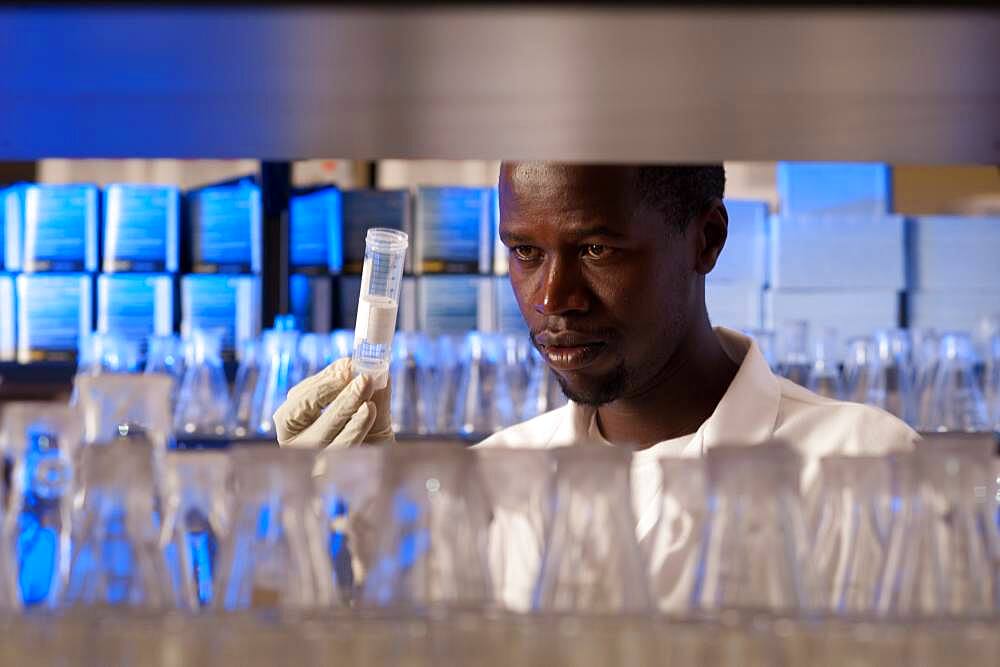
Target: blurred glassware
(592, 562)
(277, 372)
(859, 369)
(926, 352)
(518, 483)
(793, 352)
(991, 382)
(480, 390)
(956, 402)
(431, 521)
(107, 353)
(411, 395)
(516, 370)
(315, 353)
(116, 556)
(41, 441)
(824, 376)
(944, 550)
(673, 548)
(445, 376)
(544, 393)
(165, 356)
(849, 528)
(133, 407)
(343, 343)
(765, 339)
(203, 399)
(987, 328)
(754, 554)
(196, 506)
(244, 390)
(894, 375)
(274, 555)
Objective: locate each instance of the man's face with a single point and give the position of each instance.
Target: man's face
(606, 286)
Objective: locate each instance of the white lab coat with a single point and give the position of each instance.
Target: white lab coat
(757, 407)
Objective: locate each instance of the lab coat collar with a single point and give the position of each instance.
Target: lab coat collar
(746, 415)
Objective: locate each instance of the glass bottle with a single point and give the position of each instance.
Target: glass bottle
(107, 353)
(277, 371)
(165, 356)
(824, 376)
(544, 392)
(203, 399)
(894, 377)
(992, 382)
(132, 407)
(480, 390)
(516, 366)
(244, 390)
(859, 369)
(411, 388)
(956, 402)
(793, 359)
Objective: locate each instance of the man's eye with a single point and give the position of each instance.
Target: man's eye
(596, 251)
(525, 253)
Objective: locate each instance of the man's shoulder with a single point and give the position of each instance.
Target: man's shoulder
(536, 432)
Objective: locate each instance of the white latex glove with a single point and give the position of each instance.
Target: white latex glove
(331, 409)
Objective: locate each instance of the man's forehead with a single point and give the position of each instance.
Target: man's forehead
(549, 182)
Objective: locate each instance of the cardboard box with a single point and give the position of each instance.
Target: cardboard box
(455, 304)
(835, 188)
(454, 230)
(54, 311)
(141, 228)
(952, 252)
(311, 299)
(363, 209)
(8, 318)
(225, 228)
(315, 230)
(59, 228)
(229, 303)
(851, 312)
(135, 306)
(744, 257)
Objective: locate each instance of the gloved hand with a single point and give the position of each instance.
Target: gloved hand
(331, 409)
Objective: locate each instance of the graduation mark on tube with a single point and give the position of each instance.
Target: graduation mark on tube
(378, 303)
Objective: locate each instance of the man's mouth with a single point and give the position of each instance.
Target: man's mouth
(569, 351)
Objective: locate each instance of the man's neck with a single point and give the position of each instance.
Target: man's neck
(682, 397)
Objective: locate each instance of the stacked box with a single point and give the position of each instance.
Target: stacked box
(8, 318)
(454, 230)
(736, 306)
(311, 299)
(54, 311)
(229, 303)
(58, 227)
(834, 188)
(135, 306)
(141, 229)
(851, 312)
(364, 209)
(225, 228)
(11, 214)
(508, 317)
(455, 304)
(744, 257)
(316, 232)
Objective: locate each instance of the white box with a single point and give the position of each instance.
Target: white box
(736, 306)
(844, 253)
(744, 257)
(955, 252)
(230, 303)
(952, 309)
(838, 188)
(54, 311)
(851, 312)
(135, 305)
(8, 319)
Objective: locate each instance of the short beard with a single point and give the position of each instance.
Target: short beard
(611, 388)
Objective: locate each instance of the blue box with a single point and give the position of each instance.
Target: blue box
(455, 304)
(955, 252)
(834, 188)
(501, 255)
(141, 228)
(226, 228)
(735, 305)
(59, 228)
(508, 314)
(53, 312)
(8, 319)
(454, 230)
(850, 312)
(316, 232)
(847, 253)
(364, 209)
(229, 303)
(952, 309)
(311, 299)
(12, 220)
(744, 257)
(135, 306)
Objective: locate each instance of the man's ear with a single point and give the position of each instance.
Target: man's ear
(710, 230)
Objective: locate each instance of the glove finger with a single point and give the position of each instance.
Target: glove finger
(332, 421)
(307, 399)
(382, 428)
(357, 427)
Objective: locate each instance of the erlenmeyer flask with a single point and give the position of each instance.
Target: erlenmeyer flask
(894, 376)
(858, 368)
(518, 484)
(315, 353)
(592, 561)
(944, 551)
(274, 555)
(849, 528)
(409, 369)
(107, 353)
(445, 378)
(116, 556)
(165, 356)
(432, 521)
(41, 440)
(824, 376)
(956, 402)
(479, 391)
(134, 407)
(203, 399)
(544, 393)
(992, 383)
(672, 548)
(276, 375)
(754, 552)
(926, 351)
(793, 353)
(244, 390)
(516, 367)
(196, 506)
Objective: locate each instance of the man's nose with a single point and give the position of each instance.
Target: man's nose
(564, 289)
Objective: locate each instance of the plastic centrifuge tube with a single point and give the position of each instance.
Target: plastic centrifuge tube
(381, 277)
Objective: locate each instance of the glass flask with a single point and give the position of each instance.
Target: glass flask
(431, 518)
(196, 506)
(518, 483)
(926, 351)
(516, 366)
(592, 561)
(765, 339)
(165, 356)
(672, 549)
(107, 353)
(203, 398)
(41, 441)
(116, 556)
(894, 376)
(445, 377)
(793, 353)
(544, 393)
(480, 391)
(274, 555)
(133, 407)
(824, 376)
(754, 551)
(277, 370)
(316, 352)
(991, 383)
(956, 402)
(247, 374)
(858, 368)
(411, 382)
(944, 550)
(849, 524)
